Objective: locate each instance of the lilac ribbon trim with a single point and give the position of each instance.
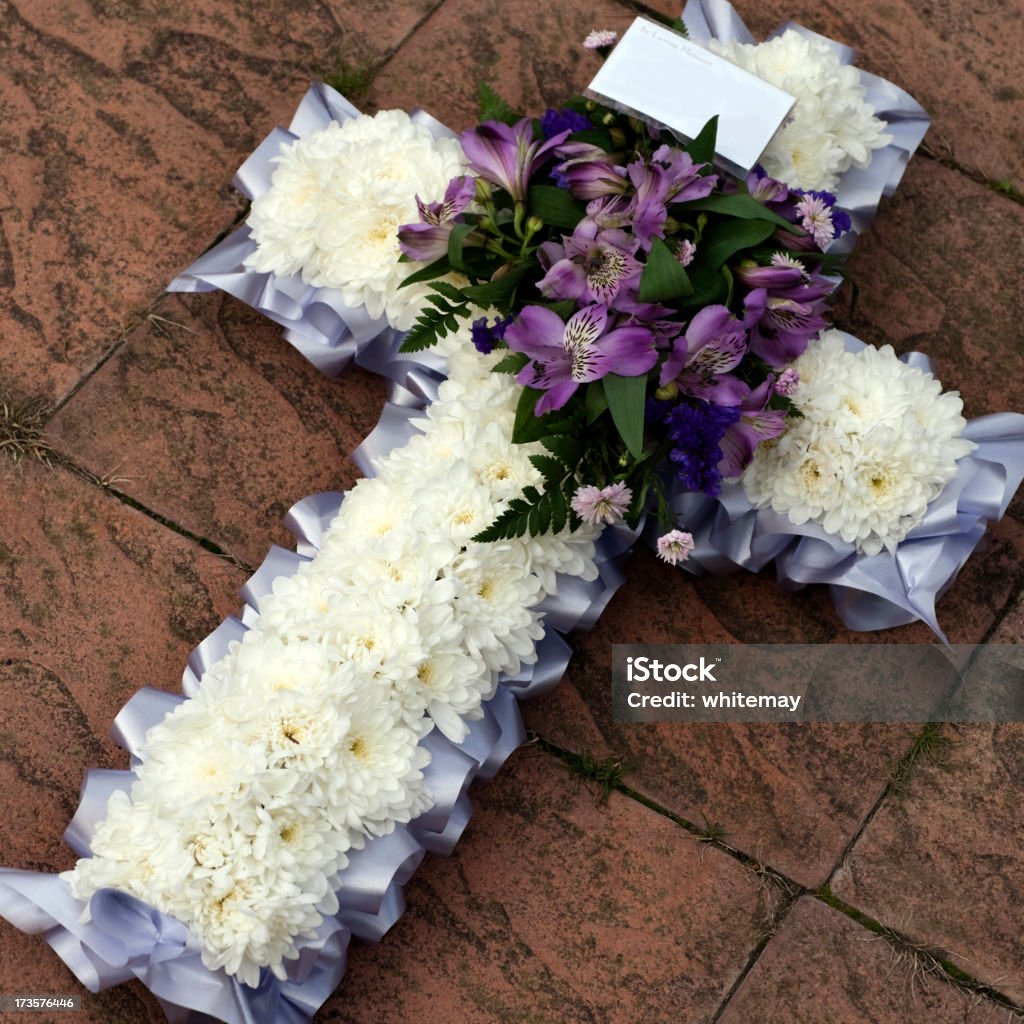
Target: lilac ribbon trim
(860, 189)
(126, 938)
(869, 591)
(317, 321)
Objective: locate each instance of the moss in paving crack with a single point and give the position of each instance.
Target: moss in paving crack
(931, 745)
(606, 772)
(351, 80)
(21, 430)
(923, 959)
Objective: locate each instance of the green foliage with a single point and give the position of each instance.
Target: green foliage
(449, 307)
(739, 205)
(555, 206)
(664, 277)
(726, 238)
(626, 396)
(493, 107)
(702, 149)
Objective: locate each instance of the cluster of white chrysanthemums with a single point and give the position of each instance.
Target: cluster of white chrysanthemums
(303, 741)
(831, 128)
(337, 199)
(876, 442)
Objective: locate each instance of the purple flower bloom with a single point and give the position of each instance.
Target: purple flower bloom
(683, 176)
(508, 156)
(428, 240)
(553, 122)
(782, 323)
(696, 431)
(783, 272)
(756, 423)
(565, 355)
(715, 342)
(675, 546)
(766, 190)
(816, 219)
(593, 179)
(592, 268)
(485, 337)
(602, 504)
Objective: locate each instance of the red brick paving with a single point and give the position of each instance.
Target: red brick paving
(122, 126)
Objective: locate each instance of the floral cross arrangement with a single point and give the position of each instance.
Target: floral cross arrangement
(588, 328)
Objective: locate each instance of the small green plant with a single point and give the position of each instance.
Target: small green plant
(21, 430)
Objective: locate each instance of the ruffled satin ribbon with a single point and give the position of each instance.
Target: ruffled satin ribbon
(318, 322)
(860, 189)
(129, 939)
(869, 591)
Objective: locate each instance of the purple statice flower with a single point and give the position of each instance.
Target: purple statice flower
(553, 122)
(485, 336)
(582, 349)
(756, 423)
(787, 383)
(428, 240)
(602, 504)
(675, 546)
(782, 321)
(591, 267)
(600, 38)
(700, 362)
(508, 156)
(696, 430)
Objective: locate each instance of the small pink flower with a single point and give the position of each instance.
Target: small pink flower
(787, 382)
(602, 504)
(687, 250)
(675, 546)
(599, 39)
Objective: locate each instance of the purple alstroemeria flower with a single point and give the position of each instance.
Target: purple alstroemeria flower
(756, 424)
(648, 210)
(428, 240)
(593, 267)
(782, 323)
(766, 190)
(508, 156)
(565, 355)
(715, 342)
(593, 179)
(683, 176)
(782, 272)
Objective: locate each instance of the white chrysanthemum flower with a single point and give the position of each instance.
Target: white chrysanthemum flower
(304, 740)
(876, 441)
(336, 202)
(831, 128)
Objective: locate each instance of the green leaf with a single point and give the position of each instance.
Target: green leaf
(596, 400)
(428, 273)
(553, 470)
(742, 206)
(455, 240)
(709, 287)
(565, 447)
(493, 107)
(702, 149)
(498, 292)
(726, 238)
(512, 363)
(663, 278)
(626, 396)
(527, 426)
(595, 137)
(555, 206)
(559, 511)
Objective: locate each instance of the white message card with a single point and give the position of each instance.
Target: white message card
(663, 77)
